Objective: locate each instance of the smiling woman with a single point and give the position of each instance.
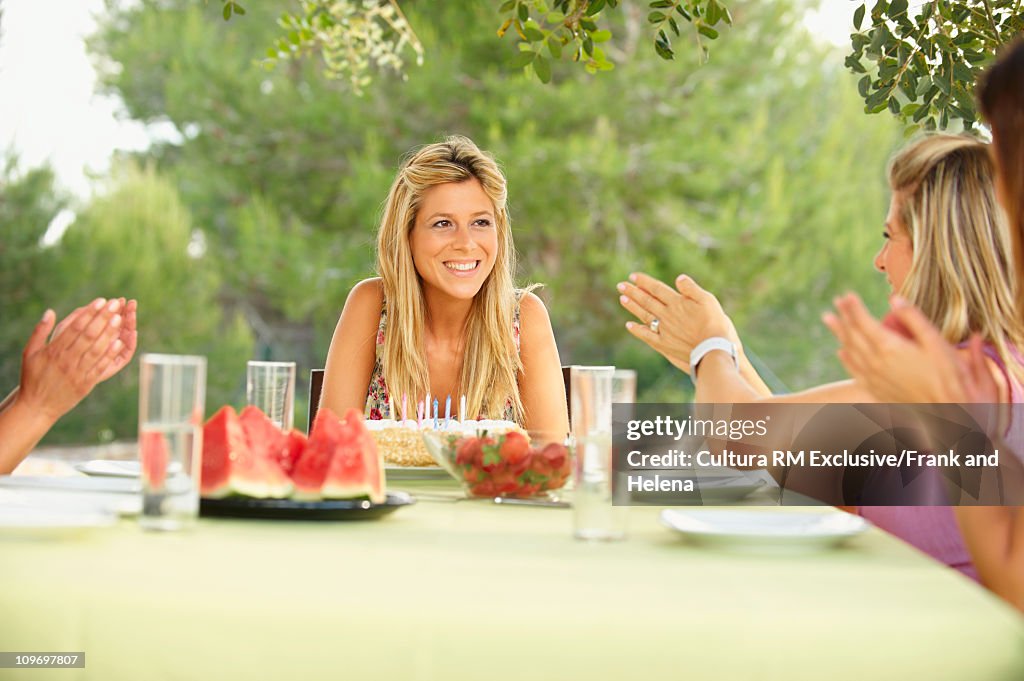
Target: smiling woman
(444, 318)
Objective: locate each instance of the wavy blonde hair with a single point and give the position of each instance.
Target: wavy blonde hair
(962, 275)
(488, 377)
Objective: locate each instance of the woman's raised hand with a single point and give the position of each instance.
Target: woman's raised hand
(91, 344)
(906, 359)
(685, 316)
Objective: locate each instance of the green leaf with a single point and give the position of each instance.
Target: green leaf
(594, 7)
(854, 64)
(601, 36)
(963, 73)
(655, 17)
(897, 9)
(713, 13)
(894, 105)
(555, 18)
(661, 4)
(673, 25)
(524, 13)
(663, 48)
(682, 11)
(227, 11)
(522, 59)
(923, 86)
(508, 6)
(863, 84)
(707, 31)
(858, 17)
(533, 35)
(239, 10)
(543, 69)
(555, 47)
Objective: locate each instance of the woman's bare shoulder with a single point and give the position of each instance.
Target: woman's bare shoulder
(367, 293)
(532, 309)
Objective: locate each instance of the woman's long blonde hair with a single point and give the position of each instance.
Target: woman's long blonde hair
(488, 377)
(962, 275)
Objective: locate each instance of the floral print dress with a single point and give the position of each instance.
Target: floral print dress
(378, 400)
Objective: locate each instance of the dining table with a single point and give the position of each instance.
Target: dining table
(454, 588)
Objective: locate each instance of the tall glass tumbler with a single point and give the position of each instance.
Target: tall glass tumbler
(271, 387)
(172, 398)
(594, 516)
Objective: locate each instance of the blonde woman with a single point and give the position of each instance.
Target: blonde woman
(947, 250)
(444, 316)
(921, 366)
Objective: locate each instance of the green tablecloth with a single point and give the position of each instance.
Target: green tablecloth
(471, 590)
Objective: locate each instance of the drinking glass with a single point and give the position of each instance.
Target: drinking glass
(594, 515)
(271, 387)
(172, 396)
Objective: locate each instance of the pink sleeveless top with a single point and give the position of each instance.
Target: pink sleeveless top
(933, 529)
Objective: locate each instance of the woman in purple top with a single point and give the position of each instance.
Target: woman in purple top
(946, 250)
(921, 366)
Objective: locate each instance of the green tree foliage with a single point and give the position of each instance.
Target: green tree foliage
(922, 62)
(757, 173)
(28, 204)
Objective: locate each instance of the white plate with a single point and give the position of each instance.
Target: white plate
(117, 469)
(750, 530)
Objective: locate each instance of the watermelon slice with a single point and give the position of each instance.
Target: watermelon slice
(294, 445)
(260, 474)
(222, 436)
(356, 469)
(310, 469)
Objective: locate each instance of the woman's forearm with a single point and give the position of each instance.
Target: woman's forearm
(995, 538)
(9, 400)
(21, 429)
(719, 381)
(752, 378)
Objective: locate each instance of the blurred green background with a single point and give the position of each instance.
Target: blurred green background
(758, 174)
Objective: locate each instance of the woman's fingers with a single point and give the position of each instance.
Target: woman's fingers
(84, 333)
(637, 309)
(689, 288)
(102, 345)
(655, 306)
(659, 290)
(861, 329)
(37, 341)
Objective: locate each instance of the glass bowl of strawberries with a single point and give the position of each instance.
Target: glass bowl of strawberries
(502, 463)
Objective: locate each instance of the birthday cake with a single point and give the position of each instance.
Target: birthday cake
(401, 442)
